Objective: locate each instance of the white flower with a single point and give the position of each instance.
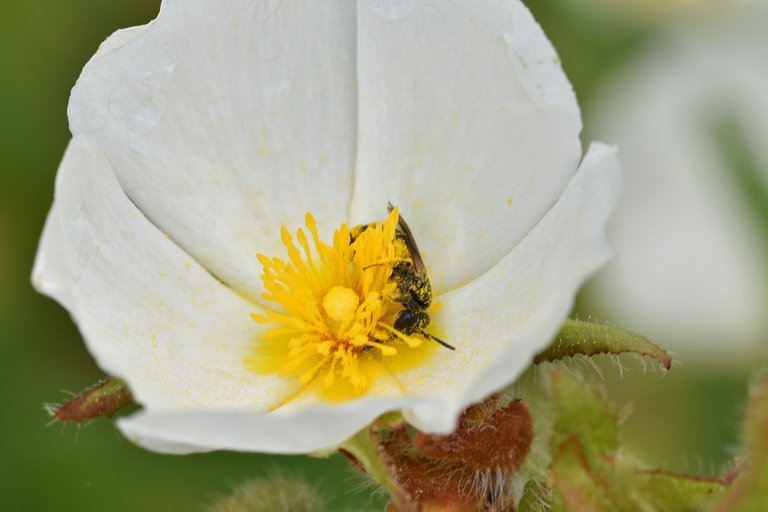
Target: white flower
(690, 270)
(668, 11)
(196, 137)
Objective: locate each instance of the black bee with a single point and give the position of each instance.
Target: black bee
(414, 290)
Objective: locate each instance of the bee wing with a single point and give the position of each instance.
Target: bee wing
(410, 243)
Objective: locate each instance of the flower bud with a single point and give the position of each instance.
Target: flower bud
(103, 399)
(500, 442)
(269, 496)
(469, 469)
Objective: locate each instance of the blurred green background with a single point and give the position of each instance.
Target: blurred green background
(687, 420)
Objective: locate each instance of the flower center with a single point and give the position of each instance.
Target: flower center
(333, 310)
(340, 303)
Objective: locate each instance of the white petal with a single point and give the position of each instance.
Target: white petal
(148, 312)
(224, 120)
(691, 266)
(467, 122)
(309, 430)
(502, 319)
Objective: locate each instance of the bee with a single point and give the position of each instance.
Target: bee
(413, 289)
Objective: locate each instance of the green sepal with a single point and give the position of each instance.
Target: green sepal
(101, 400)
(585, 437)
(536, 497)
(577, 337)
(579, 487)
(589, 473)
(581, 413)
(676, 493)
(749, 491)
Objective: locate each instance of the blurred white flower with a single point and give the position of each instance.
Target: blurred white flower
(669, 11)
(197, 136)
(692, 269)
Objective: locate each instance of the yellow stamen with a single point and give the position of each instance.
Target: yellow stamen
(332, 314)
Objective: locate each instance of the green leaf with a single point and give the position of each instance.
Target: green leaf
(577, 337)
(749, 491)
(102, 400)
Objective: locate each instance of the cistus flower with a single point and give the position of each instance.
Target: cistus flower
(203, 141)
(690, 228)
(668, 11)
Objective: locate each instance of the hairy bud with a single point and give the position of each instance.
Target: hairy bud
(501, 441)
(269, 496)
(103, 399)
(469, 469)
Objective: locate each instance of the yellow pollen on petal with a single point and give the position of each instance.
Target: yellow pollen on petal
(330, 323)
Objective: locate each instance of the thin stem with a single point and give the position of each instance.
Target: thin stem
(365, 448)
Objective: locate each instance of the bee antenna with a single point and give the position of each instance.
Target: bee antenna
(435, 338)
